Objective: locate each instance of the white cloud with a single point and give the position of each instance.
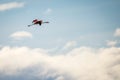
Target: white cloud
(48, 11)
(111, 43)
(20, 35)
(70, 44)
(11, 5)
(82, 63)
(117, 32)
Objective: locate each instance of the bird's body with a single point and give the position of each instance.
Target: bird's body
(35, 21)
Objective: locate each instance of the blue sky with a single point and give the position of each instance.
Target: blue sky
(76, 26)
(69, 20)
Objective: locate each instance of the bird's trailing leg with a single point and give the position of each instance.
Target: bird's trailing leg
(46, 22)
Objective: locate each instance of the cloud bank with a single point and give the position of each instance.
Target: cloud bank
(11, 5)
(20, 35)
(83, 63)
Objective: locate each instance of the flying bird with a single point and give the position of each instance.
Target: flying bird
(35, 21)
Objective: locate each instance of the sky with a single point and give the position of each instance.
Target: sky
(81, 42)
